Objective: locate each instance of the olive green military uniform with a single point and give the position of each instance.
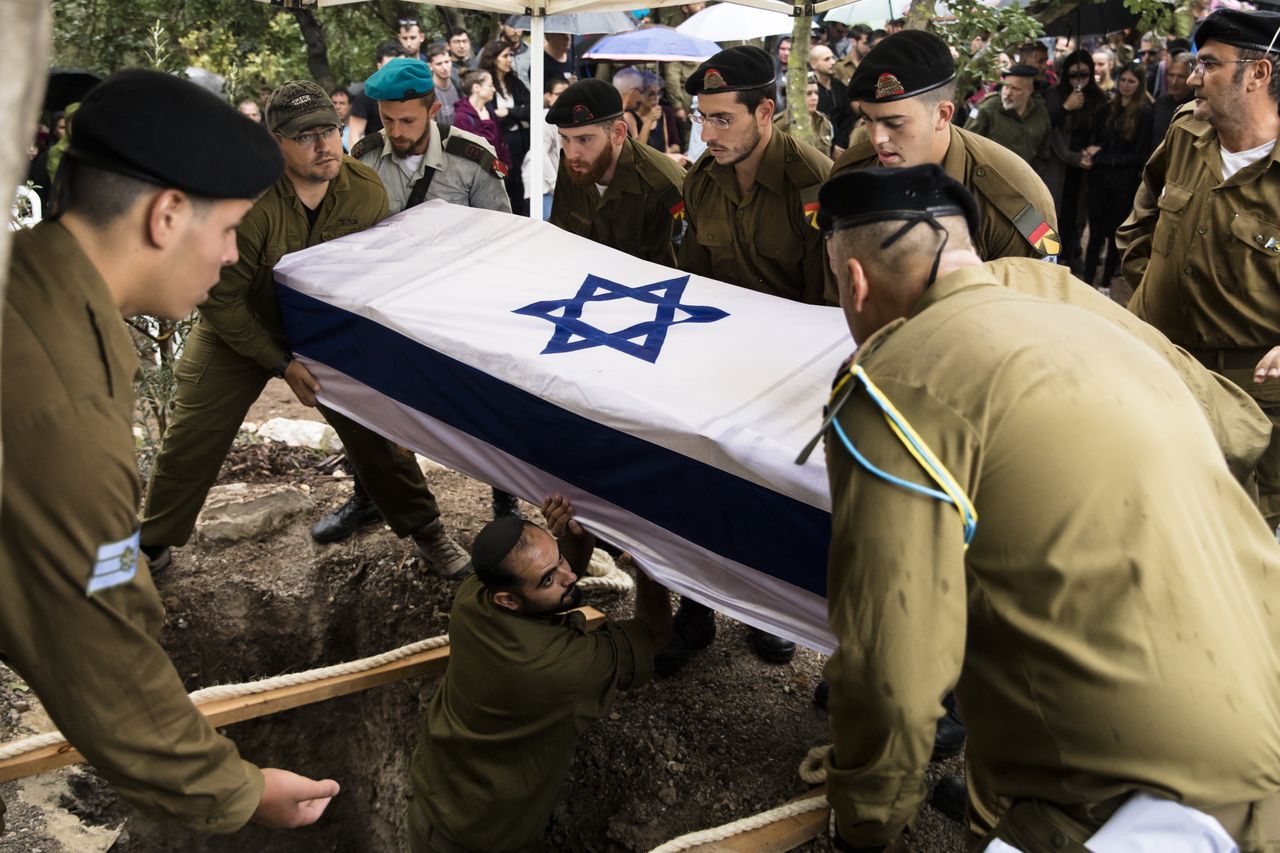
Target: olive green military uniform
(1203, 255)
(1104, 630)
(640, 212)
(767, 239)
(1012, 199)
(238, 340)
(823, 131)
(499, 734)
(1240, 428)
(78, 613)
(1025, 135)
(845, 66)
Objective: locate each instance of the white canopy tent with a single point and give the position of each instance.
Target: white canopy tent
(537, 32)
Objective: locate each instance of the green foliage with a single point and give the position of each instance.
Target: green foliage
(1008, 28)
(158, 344)
(1156, 15)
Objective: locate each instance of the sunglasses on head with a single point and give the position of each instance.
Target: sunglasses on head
(408, 22)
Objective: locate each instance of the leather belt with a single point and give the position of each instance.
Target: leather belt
(1229, 359)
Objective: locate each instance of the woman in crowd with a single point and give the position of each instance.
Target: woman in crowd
(1076, 106)
(823, 131)
(1120, 149)
(510, 106)
(1104, 63)
(654, 123)
(471, 112)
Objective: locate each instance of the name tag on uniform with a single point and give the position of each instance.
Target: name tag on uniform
(117, 563)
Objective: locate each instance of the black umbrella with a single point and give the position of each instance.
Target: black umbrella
(67, 86)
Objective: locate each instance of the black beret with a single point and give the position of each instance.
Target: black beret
(1248, 30)
(167, 131)
(865, 196)
(495, 542)
(585, 102)
(732, 70)
(1021, 71)
(903, 65)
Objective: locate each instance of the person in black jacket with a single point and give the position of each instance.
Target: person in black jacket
(1120, 149)
(1076, 107)
(510, 105)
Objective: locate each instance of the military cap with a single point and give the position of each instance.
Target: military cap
(1247, 30)
(732, 70)
(494, 542)
(900, 66)
(164, 130)
(298, 106)
(1021, 70)
(400, 79)
(585, 102)
(867, 196)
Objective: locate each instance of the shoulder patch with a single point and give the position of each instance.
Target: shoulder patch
(809, 203)
(372, 142)
(471, 147)
(115, 563)
(1017, 208)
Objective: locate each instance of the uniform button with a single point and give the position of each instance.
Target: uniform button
(1201, 230)
(982, 173)
(1059, 840)
(1257, 238)
(211, 819)
(1187, 270)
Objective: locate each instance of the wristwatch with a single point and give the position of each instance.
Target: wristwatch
(280, 368)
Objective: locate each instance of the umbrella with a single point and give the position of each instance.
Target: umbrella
(873, 13)
(731, 22)
(1091, 19)
(653, 44)
(578, 23)
(67, 86)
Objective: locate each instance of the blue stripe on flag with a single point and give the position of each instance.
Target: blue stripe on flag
(712, 508)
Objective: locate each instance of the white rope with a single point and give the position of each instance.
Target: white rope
(13, 749)
(813, 768)
(747, 824)
(603, 574)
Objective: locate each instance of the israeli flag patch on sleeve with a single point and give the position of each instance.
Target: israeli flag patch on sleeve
(117, 563)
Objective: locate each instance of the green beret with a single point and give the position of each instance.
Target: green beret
(1247, 30)
(867, 196)
(585, 102)
(732, 70)
(902, 65)
(400, 79)
(164, 130)
(297, 107)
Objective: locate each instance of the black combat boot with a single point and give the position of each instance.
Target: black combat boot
(693, 628)
(359, 510)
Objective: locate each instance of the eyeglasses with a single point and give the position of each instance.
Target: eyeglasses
(1207, 66)
(719, 122)
(308, 140)
(1081, 76)
(1148, 53)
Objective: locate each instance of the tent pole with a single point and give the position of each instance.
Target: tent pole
(537, 120)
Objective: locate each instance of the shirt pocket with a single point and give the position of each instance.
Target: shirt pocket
(779, 243)
(1173, 203)
(1259, 263)
(715, 234)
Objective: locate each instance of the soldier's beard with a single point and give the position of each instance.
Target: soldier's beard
(727, 156)
(407, 150)
(598, 167)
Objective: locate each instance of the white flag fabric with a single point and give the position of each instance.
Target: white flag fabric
(669, 408)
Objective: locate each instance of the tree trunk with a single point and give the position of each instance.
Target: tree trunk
(799, 124)
(317, 49)
(920, 14)
(25, 30)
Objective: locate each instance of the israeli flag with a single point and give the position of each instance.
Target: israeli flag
(669, 408)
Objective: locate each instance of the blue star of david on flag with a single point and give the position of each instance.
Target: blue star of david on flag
(642, 340)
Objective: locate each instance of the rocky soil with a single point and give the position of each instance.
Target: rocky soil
(718, 741)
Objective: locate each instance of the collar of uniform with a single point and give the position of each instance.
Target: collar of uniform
(770, 174)
(953, 283)
(625, 177)
(956, 161)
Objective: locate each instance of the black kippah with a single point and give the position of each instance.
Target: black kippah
(585, 102)
(734, 69)
(900, 66)
(865, 196)
(495, 542)
(1248, 30)
(167, 131)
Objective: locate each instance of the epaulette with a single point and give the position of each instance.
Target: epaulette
(1029, 222)
(458, 144)
(366, 144)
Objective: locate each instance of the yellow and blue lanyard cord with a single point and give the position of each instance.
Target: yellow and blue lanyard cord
(948, 490)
